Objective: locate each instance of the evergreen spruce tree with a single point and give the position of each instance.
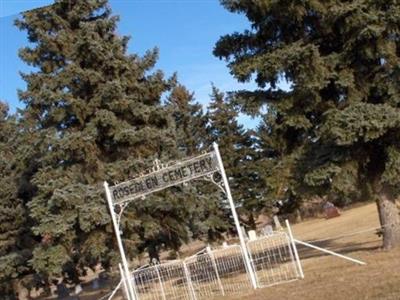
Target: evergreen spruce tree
(238, 154)
(338, 125)
(275, 173)
(12, 212)
(16, 240)
(190, 121)
(99, 116)
(207, 220)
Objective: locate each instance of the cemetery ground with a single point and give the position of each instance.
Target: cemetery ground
(328, 277)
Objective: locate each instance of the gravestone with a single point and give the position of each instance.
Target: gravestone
(267, 230)
(78, 289)
(103, 279)
(244, 232)
(62, 291)
(252, 235)
(95, 284)
(331, 210)
(278, 225)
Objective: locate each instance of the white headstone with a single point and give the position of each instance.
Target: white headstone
(244, 233)
(268, 230)
(78, 289)
(252, 235)
(277, 223)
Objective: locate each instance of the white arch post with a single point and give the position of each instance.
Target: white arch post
(235, 217)
(131, 294)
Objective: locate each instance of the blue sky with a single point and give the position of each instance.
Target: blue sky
(185, 31)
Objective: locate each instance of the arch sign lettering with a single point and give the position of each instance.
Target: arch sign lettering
(161, 178)
(175, 174)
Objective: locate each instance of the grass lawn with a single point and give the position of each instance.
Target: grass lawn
(330, 278)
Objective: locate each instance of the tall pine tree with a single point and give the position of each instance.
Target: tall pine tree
(99, 114)
(238, 154)
(189, 119)
(275, 173)
(16, 239)
(207, 219)
(339, 123)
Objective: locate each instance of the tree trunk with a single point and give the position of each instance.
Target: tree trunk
(252, 222)
(389, 217)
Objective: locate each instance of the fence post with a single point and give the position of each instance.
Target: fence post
(211, 254)
(161, 284)
(189, 282)
(235, 218)
(252, 262)
(131, 294)
(121, 271)
(296, 255)
(289, 242)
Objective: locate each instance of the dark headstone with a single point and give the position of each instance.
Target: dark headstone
(103, 278)
(95, 284)
(62, 291)
(331, 212)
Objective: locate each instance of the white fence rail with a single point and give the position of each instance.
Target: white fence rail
(220, 271)
(273, 260)
(163, 281)
(232, 269)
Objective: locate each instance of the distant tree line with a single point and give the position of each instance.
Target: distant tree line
(93, 112)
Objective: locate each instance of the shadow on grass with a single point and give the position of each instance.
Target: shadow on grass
(341, 248)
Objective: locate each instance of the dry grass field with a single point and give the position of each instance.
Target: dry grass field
(331, 278)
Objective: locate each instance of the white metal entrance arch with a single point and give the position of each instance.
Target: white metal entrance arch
(166, 176)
